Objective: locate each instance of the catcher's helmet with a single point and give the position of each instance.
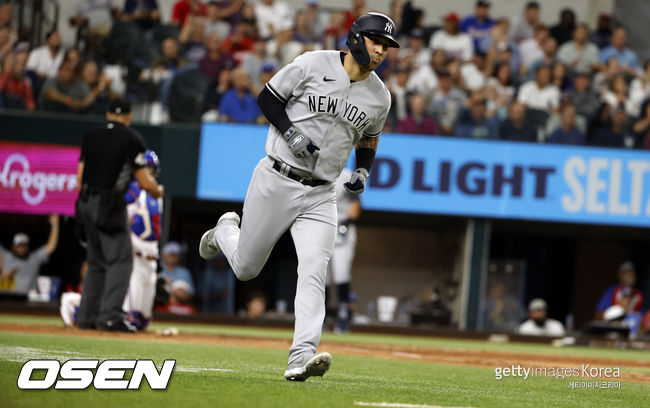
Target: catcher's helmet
(369, 24)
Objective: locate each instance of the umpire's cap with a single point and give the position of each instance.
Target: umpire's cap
(119, 106)
(370, 24)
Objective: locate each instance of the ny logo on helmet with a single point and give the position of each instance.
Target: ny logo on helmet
(388, 28)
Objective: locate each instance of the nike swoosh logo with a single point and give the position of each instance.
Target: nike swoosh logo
(326, 79)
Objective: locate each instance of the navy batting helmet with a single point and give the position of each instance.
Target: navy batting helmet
(369, 24)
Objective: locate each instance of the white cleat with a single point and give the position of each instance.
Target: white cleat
(208, 247)
(315, 366)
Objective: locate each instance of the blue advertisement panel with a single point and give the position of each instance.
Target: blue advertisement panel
(440, 175)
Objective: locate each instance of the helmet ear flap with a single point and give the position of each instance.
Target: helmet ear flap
(357, 46)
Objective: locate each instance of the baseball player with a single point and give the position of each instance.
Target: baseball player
(144, 213)
(348, 208)
(320, 106)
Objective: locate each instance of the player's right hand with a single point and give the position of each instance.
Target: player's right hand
(302, 146)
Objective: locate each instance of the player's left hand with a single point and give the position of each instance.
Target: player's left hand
(357, 182)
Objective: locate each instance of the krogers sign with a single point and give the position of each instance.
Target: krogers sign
(38, 179)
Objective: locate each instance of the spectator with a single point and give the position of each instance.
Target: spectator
(605, 76)
(602, 35)
(416, 48)
(100, 88)
(616, 95)
(563, 30)
(270, 14)
(65, 92)
(474, 123)
(498, 48)
(455, 43)
(446, 102)
(523, 27)
(626, 57)
(254, 62)
(239, 104)
(502, 310)
(215, 22)
(640, 89)
(185, 8)
(96, 18)
(217, 287)
(240, 41)
(335, 33)
(144, 13)
(480, 24)
(549, 47)
(613, 133)
(417, 122)
(496, 104)
(178, 279)
(585, 100)
(515, 126)
(170, 60)
(567, 133)
(6, 44)
(532, 49)
(641, 127)
(256, 305)
(578, 54)
(73, 58)
(502, 82)
(45, 60)
(560, 77)
(283, 46)
(317, 19)
(540, 94)
(21, 266)
(397, 85)
(192, 39)
(357, 10)
(6, 17)
(538, 323)
(15, 86)
(613, 295)
(424, 79)
(302, 31)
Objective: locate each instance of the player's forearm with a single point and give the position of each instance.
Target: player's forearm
(365, 151)
(274, 110)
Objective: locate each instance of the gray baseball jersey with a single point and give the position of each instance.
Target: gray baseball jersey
(325, 106)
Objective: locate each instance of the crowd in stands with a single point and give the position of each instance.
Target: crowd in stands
(476, 76)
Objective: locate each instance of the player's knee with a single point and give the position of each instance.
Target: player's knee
(247, 271)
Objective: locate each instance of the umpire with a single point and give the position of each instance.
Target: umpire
(110, 156)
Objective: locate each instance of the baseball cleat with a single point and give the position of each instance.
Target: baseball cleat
(316, 366)
(208, 247)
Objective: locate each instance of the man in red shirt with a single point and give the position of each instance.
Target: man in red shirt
(15, 87)
(184, 8)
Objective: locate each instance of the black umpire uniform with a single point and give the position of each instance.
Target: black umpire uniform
(109, 157)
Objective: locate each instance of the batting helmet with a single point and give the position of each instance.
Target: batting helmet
(369, 24)
(151, 160)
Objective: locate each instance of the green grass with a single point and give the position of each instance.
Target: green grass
(257, 379)
(456, 344)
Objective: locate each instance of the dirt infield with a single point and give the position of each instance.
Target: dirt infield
(456, 356)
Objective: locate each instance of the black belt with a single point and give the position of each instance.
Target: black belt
(311, 182)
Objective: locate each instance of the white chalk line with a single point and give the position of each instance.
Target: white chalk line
(397, 405)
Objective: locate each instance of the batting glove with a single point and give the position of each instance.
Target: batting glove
(301, 146)
(357, 182)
